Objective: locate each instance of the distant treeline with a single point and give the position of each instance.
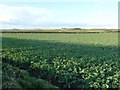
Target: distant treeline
(62, 30)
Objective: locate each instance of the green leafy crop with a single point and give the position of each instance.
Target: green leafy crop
(66, 60)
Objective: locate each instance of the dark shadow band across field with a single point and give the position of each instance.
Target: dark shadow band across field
(53, 48)
(41, 59)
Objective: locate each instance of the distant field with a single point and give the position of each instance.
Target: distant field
(59, 31)
(64, 60)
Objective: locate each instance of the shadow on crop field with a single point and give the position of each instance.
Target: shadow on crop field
(51, 60)
(58, 49)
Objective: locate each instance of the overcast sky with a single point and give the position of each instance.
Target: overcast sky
(62, 13)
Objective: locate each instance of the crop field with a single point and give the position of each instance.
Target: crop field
(38, 60)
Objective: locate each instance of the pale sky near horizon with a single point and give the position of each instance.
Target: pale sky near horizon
(44, 14)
